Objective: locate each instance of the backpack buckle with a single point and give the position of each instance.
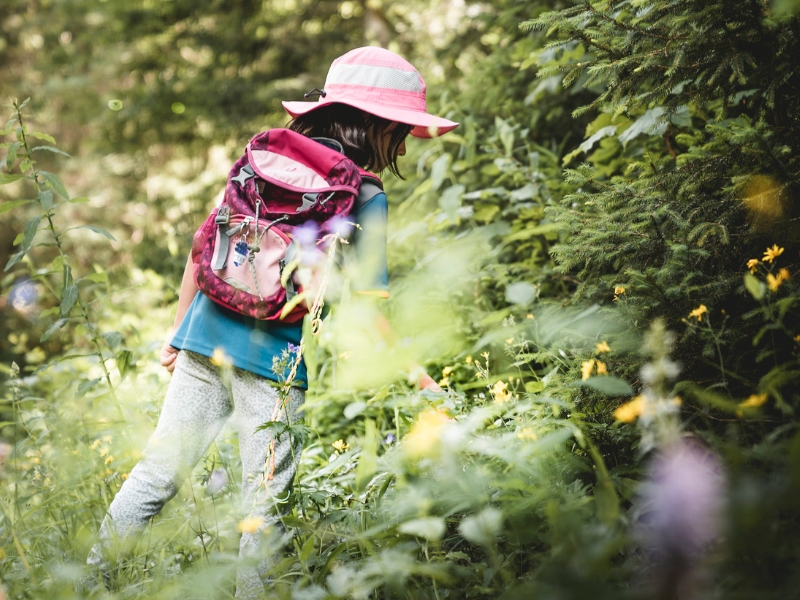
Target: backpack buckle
(223, 215)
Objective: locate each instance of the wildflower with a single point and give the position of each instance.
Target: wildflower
(107, 439)
(340, 446)
(619, 290)
(446, 371)
(103, 451)
(527, 433)
(444, 381)
(754, 401)
(797, 338)
(423, 437)
(509, 340)
(628, 412)
(602, 369)
(250, 524)
(468, 360)
(390, 439)
(752, 264)
(219, 358)
(294, 349)
(124, 476)
(699, 312)
(485, 355)
(216, 481)
(602, 347)
(773, 282)
(771, 254)
(529, 316)
(109, 459)
(586, 369)
(95, 444)
(500, 392)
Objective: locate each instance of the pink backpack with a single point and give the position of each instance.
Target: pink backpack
(242, 249)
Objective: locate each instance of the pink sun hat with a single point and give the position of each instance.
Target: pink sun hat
(381, 83)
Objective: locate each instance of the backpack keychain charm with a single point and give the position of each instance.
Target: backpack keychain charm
(240, 251)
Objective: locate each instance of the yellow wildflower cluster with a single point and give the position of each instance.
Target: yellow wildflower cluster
(250, 524)
(340, 446)
(775, 281)
(602, 347)
(629, 411)
(445, 380)
(754, 401)
(424, 436)
(527, 433)
(699, 312)
(771, 254)
(591, 365)
(500, 393)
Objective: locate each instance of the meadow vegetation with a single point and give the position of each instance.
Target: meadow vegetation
(599, 267)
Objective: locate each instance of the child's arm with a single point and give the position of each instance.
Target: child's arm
(185, 297)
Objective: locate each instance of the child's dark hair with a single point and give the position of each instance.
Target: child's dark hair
(359, 132)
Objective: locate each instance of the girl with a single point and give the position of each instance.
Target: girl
(371, 101)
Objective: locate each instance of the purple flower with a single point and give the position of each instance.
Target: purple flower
(23, 295)
(390, 439)
(294, 349)
(216, 481)
(340, 226)
(305, 235)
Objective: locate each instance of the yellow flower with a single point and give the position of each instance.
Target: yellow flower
(619, 290)
(527, 433)
(468, 360)
(95, 444)
(784, 274)
(677, 401)
(250, 524)
(630, 410)
(602, 347)
(773, 282)
(752, 264)
(103, 451)
(500, 392)
(109, 459)
(586, 369)
(601, 368)
(771, 254)
(107, 438)
(797, 338)
(529, 316)
(219, 358)
(699, 312)
(444, 381)
(124, 476)
(754, 401)
(446, 371)
(423, 437)
(340, 446)
(509, 340)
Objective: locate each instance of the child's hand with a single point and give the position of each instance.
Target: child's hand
(168, 357)
(426, 382)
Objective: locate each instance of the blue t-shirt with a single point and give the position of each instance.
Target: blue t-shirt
(252, 344)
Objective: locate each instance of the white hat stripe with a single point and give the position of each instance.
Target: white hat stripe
(374, 76)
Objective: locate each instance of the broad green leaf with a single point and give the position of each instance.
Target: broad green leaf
(483, 527)
(439, 171)
(352, 410)
(609, 385)
(589, 143)
(97, 277)
(113, 339)
(52, 329)
(650, 123)
(15, 258)
(9, 178)
(429, 528)
(754, 286)
(12, 204)
(368, 461)
(42, 136)
(68, 298)
(96, 229)
(78, 200)
(124, 358)
(46, 200)
(55, 183)
(51, 149)
(31, 227)
(11, 157)
(521, 293)
(307, 550)
(86, 386)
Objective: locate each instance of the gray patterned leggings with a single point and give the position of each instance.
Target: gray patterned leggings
(195, 409)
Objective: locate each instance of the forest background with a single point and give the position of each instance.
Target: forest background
(599, 266)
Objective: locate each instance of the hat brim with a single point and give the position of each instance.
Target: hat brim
(425, 125)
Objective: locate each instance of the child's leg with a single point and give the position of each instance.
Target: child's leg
(195, 408)
(256, 402)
